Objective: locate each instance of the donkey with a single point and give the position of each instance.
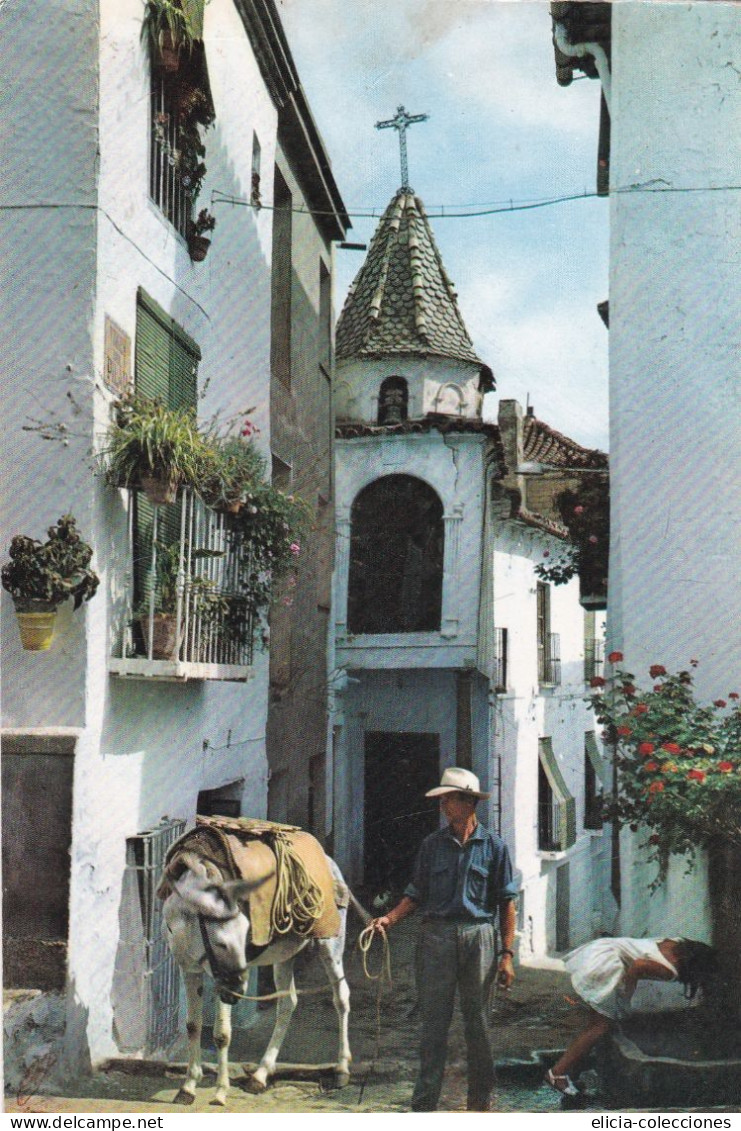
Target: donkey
(208, 930)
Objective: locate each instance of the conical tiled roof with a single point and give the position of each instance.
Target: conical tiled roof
(402, 300)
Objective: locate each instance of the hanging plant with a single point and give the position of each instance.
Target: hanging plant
(586, 514)
(41, 575)
(153, 447)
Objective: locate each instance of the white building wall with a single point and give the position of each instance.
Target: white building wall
(453, 466)
(527, 712)
(144, 750)
(436, 384)
(675, 326)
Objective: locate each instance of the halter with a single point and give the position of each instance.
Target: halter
(217, 970)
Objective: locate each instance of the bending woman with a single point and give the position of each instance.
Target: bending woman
(605, 972)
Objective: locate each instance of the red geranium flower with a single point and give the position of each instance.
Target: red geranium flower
(658, 687)
(671, 747)
(652, 767)
(733, 695)
(654, 839)
(656, 787)
(646, 748)
(597, 681)
(629, 689)
(615, 658)
(725, 767)
(656, 670)
(639, 709)
(696, 775)
(719, 703)
(624, 731)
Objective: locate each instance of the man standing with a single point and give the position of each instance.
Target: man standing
(462, 876)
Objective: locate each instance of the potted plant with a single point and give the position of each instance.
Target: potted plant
(169, 27)
(157, 615)
(586, 514)
(198, 243)
(153, 447)
(233, 469)
(41, 575)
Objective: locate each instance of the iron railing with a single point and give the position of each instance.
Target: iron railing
(500, 659)
(190, 601)
(549, 659)
(145, 856)
(166, 186)
(594, 658)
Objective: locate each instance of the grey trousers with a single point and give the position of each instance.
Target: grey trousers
(453, 955)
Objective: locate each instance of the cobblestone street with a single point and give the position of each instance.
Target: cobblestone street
(535, 1015)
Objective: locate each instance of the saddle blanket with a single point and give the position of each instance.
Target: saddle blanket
(233, 848)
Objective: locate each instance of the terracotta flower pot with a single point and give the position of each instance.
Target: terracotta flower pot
(165, 643)
(169, 54)
(158, 490)
(198, 247)
(36, 628)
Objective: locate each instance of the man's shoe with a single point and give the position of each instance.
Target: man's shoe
(479, 1103)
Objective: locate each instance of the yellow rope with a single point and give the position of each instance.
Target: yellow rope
(298, 901)
(383, 977)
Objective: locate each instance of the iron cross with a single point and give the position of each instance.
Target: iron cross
(401, 122)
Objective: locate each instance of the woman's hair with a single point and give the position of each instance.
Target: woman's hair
(698, 967)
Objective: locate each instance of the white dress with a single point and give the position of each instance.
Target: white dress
(597, 969)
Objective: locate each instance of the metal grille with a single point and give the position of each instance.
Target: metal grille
(212, 617)
(165, 184)
(500, 659)
(145, 855)
(550, 659)
(594, 658)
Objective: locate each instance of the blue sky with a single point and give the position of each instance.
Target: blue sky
(500, 129)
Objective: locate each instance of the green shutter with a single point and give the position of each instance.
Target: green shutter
(598, 762)
(166, 360)
(567, 803)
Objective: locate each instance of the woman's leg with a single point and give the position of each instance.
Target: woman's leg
(597, 1027)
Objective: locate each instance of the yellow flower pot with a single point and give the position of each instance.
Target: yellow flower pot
(36, 629)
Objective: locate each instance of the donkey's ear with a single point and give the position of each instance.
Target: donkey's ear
(237, 891)
(205, 897)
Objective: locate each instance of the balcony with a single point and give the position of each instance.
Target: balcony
(188, 613)
(594, 658)
(500, 659)
(549, 660)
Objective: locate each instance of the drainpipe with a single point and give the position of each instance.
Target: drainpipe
(579, 50)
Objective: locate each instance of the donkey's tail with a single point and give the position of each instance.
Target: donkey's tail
(360, 910)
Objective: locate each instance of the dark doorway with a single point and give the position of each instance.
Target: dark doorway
(399, 769)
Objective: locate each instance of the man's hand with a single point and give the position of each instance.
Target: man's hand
(380, 925)
(505, 972)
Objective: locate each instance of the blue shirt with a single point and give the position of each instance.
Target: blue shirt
(462, 881)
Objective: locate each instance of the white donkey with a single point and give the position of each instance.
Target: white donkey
(208, 930)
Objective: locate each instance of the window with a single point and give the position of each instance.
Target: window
(594, 649)
(396, 557)
(549, 643)
(325, 319)
(166, 367)
(594, 776)
(255, 198)
(556, 806)
(280, 339)
(190, 604)
(393, 401)
(181, 107)
(500, 659)
(226, 801)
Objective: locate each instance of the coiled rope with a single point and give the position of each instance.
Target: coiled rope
(298, 901)
(383, 978)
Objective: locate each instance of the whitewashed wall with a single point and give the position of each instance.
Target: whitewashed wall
(523, 715)
(675, 326)
(436, 384)
(144, 750)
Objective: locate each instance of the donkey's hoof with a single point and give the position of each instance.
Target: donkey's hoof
(341, 1079)
(253, 1086)
(219, 1100)
(185, 1098)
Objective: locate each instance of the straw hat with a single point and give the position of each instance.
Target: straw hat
(457, 780)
